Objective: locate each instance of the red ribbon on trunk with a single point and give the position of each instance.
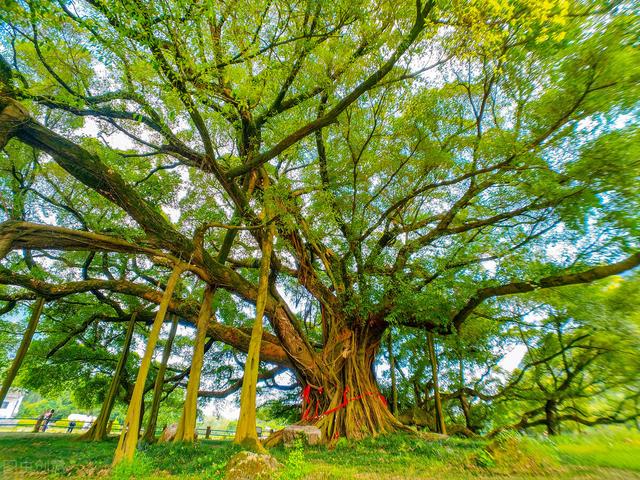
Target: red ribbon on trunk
(306, 401)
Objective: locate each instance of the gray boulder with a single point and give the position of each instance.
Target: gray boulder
(169, 433)
(308, 433)
(251, 466)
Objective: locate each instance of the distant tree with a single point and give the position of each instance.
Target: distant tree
(581, 365)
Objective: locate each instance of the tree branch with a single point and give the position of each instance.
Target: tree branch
(586, 276)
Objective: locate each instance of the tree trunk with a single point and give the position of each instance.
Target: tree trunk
(150, 432)
(99, 429)
(551, 417)
(129, 437)
(419, 401)
(464, 402)
(392, 370)
(246, 432)
(186, 431)
(22, 350)
(187, 426)
(348, 402)
(440, 425)
(466, 410)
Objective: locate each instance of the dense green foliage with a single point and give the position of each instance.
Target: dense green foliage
(464, 171)
(580, 355)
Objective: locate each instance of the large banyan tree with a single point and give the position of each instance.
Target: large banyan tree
(409, 163)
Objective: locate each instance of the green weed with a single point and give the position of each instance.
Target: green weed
(296, 467)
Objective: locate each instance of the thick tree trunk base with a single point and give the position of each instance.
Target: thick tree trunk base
(357, 415)
(252, 444)
(347, 402)
(93, 434)
(276, 438)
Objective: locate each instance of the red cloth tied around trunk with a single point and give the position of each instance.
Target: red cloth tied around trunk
(306, 402)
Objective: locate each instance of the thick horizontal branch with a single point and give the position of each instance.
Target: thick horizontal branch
(586, 276)
(16, 235)
(235, 337)
(237, 384)
(527, 422)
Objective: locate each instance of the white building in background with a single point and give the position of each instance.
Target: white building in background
(11, 404)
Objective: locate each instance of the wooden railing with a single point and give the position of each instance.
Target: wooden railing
(60, 425)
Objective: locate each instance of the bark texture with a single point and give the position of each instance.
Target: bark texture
(551, 417)
(246, 433)
(187, 426)
(348, 402)
(440, 425)
(99, 430)
(150, 431)
(129, 437)
(392, 371)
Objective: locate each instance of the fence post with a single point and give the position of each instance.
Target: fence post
(109, 426)
(208, 433)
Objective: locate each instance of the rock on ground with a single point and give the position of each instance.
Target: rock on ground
(418, 417)
(169, 433)
(308, 433)
(432, 436)
(251, 466)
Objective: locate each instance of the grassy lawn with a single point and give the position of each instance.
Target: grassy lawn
(617, 448)
(604, 455)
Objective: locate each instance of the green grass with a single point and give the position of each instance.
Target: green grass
(617, 448)
(386, 456)
(607, 454)
(58, 454)
(63, 456)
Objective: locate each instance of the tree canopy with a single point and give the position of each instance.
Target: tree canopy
(420, 165)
